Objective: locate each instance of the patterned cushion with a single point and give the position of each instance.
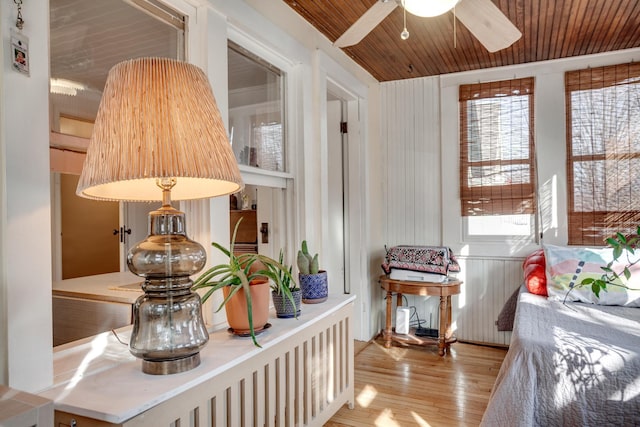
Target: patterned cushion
(566, 267)
(430, 259)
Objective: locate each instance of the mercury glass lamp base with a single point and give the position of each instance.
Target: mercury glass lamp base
(168, 367)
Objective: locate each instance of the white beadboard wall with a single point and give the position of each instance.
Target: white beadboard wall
(410, 135)
(411, 142)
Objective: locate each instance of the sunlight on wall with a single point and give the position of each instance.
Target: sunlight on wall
(549, 205)
(462, 296)
(366, 396)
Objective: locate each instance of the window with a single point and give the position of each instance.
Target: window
(603, 152)
(256, 110)
(497, 173)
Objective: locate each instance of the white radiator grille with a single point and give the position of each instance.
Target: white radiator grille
(488, 283)
(302, 381)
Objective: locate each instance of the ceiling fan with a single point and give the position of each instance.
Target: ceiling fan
(483, 18)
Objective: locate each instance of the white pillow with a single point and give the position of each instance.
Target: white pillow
(567, 266)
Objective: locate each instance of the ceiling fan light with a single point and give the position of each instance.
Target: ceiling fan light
(428, 8)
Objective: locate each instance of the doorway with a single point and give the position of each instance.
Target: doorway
(87, 254)
(349, 162)
(337, 194)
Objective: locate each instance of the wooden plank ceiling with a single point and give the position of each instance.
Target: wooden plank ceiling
(550, 29)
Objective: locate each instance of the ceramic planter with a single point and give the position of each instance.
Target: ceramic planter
(236, 308)
(315, 288)
(283, 306)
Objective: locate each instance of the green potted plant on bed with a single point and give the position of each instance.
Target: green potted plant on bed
(313, 281)
(286, 306)
(245, 281)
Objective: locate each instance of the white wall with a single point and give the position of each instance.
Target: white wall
(26, 230)
(420, 139)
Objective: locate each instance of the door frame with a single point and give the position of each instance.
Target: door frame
(335, 79)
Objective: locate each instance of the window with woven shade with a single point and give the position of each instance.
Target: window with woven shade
(603, 152)
(497, 167)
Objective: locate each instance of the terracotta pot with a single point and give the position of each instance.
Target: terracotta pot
(236, 308)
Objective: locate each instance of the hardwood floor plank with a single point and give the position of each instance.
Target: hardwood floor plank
(413, 386)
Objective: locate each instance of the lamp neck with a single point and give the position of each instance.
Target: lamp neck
(166, 184)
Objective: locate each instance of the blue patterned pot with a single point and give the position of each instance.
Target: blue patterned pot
(282, 304)
(315, 288)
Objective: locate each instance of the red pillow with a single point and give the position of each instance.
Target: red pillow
(535, 277)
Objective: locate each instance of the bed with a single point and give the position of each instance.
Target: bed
(572, 364)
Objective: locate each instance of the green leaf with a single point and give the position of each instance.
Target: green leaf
(617, 251)
(602, 284)
(222, 249)
(611, 242)
(627, 273)
(595, 289)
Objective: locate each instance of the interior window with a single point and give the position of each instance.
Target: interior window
(256, 111)
(603, 152)
(87, 39)
(257, 128)
(497, 173)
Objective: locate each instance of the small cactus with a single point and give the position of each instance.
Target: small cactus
(303, 263)
(307, 264)
(313, 266)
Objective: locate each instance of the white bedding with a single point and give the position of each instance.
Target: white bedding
(569, 365)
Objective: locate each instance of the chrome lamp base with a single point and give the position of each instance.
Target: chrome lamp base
(168, 367)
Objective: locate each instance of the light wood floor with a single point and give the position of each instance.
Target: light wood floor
(404, 387)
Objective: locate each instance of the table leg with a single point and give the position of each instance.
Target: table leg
(448, 332)
(442, 328)
(387, 328)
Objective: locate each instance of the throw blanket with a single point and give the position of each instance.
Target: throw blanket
(428, 259)
(569, 365)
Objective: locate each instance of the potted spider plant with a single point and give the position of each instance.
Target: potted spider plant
(245, 281)
(286, 306)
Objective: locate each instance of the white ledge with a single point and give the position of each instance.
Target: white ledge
(98, 378)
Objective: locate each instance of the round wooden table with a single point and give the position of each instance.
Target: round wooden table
(444, 290)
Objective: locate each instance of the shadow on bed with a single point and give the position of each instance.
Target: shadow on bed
(569, 365)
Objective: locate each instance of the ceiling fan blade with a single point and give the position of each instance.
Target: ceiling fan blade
(366, 23)
(487, 23)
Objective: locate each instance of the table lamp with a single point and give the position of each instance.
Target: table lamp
(159, 135)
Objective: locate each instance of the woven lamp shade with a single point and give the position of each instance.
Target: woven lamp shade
(158, 119)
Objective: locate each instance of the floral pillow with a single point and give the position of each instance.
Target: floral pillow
(567, 267)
